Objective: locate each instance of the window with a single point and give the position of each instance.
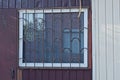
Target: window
(53, 38)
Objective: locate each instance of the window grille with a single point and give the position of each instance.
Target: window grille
(53, 38)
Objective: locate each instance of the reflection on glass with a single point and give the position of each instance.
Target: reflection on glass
(50, 41)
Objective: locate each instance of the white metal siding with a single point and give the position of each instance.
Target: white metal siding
(106, 39)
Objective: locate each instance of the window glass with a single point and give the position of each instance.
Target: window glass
(53, 38)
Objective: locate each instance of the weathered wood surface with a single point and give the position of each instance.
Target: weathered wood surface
(9, 41)
(57, 74)
(42, 3)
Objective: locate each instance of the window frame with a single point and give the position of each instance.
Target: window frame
(52, 65)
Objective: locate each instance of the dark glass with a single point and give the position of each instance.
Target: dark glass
(53, 38)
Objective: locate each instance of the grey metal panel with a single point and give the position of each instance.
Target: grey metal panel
(102, 40)
(116, 36)
(94, 21)
(109, 40)
(106, 32)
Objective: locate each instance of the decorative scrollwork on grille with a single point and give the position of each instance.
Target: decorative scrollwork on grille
(39, 24)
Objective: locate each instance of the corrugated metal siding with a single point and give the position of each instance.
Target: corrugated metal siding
(106, 39)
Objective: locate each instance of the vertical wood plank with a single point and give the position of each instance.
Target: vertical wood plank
(5, 3)
(87, 75)
(66, 74)
(80, 74)
(45, 75)
(116, 37)
(73, 75)
(85, 3)
(32, 75)
(45, 3)
(0, 3)
(59, 75)
(18, 3)
(51, 3)
(24, 4)
(38, 74)
(31, 3)
(52, 75)
(8, 43)
(73, 2)
(26, 74)
(58, 3)
(77, 2)
(38, 3)
(11, 3)
(65, 3)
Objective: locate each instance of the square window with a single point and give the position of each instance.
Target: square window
(53, 38)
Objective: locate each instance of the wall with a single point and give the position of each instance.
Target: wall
(42, 3)
(9, 42)
(106, 39)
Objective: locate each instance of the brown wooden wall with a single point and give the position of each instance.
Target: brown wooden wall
(9, 41)
(42, 3)
(8, 44)
(30, 74)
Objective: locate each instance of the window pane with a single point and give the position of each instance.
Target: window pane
(33, 37)
(50, 39)
(66, 39)
(75, 41)
(66, 46)
(48, 50)
(82, 37)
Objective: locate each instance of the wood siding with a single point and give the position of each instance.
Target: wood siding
(9, 42)
(55, 74)
(106, 39)
(42, 3)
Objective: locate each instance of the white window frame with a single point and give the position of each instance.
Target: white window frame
(49, 65)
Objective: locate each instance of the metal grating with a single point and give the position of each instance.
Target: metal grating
(53, 38)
